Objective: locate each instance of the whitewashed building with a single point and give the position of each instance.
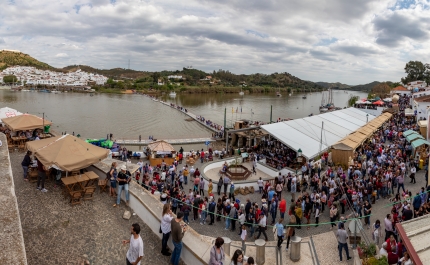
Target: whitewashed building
(33, 76)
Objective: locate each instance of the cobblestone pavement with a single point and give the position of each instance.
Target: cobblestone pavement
(379, 210)
(57, 233)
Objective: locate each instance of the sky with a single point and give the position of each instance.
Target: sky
(347, 41)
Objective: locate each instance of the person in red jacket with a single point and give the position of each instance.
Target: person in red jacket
(202, 156)
(283, 207)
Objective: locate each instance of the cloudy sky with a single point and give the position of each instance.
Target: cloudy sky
(349, 41)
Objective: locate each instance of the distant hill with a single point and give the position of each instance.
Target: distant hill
(115, 73)
(8, 59)
(368, 87)
(336, 85)
(193, 77)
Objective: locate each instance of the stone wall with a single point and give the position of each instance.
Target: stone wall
(11, 238)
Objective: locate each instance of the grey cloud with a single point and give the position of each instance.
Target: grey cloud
(321, 55)
(2, 41)
(396, 27)
(355, 50)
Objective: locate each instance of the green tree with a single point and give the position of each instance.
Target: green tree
(10, 79)
(395, 84)
(352, 99)
(155, 77)
(415, 70)
(381, 89)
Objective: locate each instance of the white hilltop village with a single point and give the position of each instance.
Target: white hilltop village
(32, 76)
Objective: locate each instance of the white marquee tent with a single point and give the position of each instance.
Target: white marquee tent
(7, 112)
(305, 133)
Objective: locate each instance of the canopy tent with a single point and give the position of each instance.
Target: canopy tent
(305, 133)
(409, 112)
(25, 122)
(379, 102)
(161, 147)
(388, 99)
(408, 132)
(419, 142)
(413, 136)
(7, 112)
(343, 149)
(66, 152)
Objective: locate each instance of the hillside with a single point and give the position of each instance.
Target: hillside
(191, 77)
(336, 85)
(8, 59)
(116, 73)
(368, 87)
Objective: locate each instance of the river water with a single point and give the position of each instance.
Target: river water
(128, 116)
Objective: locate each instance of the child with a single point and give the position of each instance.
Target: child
(243, 237)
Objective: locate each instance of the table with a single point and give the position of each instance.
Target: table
(82, 180)
(69, 183)
(19, 139)
(93, 178)
(43, 136)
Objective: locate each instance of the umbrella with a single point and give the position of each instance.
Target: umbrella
(7, 112)
(25, 122)
(367, 102)
(379, 102)
(67, 152)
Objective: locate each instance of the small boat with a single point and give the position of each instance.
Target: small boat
(172, 94)
(25, 90)
(54, 91)
(278, 94)
(241, 93)
(289, 94)
(304, 97)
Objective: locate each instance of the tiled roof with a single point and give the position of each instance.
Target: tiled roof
(400, 88)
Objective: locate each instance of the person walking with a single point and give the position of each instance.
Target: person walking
(367, 212)
(124, 178)
(202, 187)
(412, 176)
(226, 182)
(217, 255)
(135, 251)
(166, 219)
(262, 225)
(25, 164)
(41, 176)
(280, 232)
(178, 232)
(260, 185)
(342, 236)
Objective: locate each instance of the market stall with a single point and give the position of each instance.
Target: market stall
(25, 122)
(161, 151)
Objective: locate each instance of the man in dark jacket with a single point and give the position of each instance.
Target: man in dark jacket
(211, 207)
(25, 164)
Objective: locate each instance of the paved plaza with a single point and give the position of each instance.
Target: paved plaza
(379, 210)
(57, 233)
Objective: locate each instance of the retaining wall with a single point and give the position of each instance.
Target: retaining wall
(11, 237)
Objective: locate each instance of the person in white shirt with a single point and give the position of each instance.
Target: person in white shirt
(412, 176)
(166, 221)
(135, 251)
(260, 185)
(243, 237)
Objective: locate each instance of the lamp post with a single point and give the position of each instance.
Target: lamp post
(367, 117)
(299, 155)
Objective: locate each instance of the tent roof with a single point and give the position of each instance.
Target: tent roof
(419, 142)
(413, 136)
(25, 122)
(161, 145)
(406, 133)
(67, 152)
(359, 136)
(7, 112)
(305, 133)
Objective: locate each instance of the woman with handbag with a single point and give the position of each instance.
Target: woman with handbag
(291, 231)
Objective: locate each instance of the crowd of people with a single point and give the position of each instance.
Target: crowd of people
(178, 107)
(210, 123)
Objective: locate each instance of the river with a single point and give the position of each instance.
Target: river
(128, 116)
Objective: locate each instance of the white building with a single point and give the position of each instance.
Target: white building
(401, 91)
(174, 77)
(33, 76)
(420, 106)
(416, 84)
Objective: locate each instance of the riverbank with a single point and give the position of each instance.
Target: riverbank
(208, 90)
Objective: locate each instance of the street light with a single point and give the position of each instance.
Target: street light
(299, 152)
(367, 117)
